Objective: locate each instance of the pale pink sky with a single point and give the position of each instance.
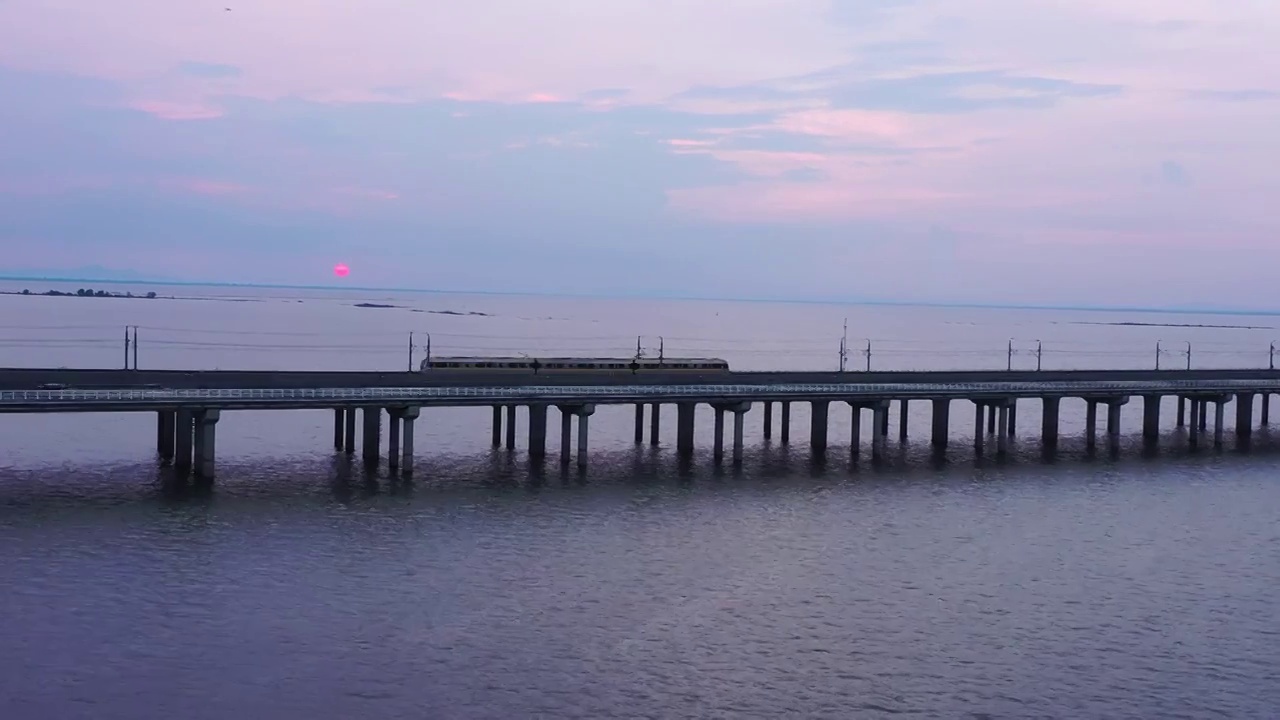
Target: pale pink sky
(1056, 151)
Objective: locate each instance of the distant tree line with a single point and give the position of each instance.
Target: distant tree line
(88, 292)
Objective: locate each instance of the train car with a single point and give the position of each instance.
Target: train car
(557, 365)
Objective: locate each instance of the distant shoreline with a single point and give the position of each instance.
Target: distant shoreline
(85, 293)
(1257, 312)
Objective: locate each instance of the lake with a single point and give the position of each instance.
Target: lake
(298, 586)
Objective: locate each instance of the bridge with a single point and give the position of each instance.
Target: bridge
(188, 405)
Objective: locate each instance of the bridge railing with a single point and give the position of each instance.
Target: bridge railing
(175, 348)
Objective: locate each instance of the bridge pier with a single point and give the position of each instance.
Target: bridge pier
(393, 439)
(684, 428)
(1091, 424)
(349, 430)
(1002, 430)
(1193, 426)
(1266, 409)
(903, 410)
(1049, 420)
(941, 423)
(786, 422)
(818, 426)
(978, 435)
(717, 451)
(496, 430)
(639, 435)
(538, 431)
(880, 421)
(1219, 406)
(855, 429)
(768, 420)
(372, 435)
(566, 431)
(511, 427)
(339, 420)
(584, 413)
(1011, 428)
(1151, 418)
(739, 426)
(991, 420)
(166, 425)
(1114, 408)
(184, 434)
(1244, 414)
(205, 431)
(409, 416)
(1182, 411)
(1204, 415)
(655, 423)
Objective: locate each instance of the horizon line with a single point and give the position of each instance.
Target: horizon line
(688, 298)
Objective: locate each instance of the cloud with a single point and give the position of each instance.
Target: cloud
(209, 70)
(797, 147)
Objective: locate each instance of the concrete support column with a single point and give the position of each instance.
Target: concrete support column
(1193, 434)
(584, 414)
(538, 431)
(768, 420)
(1113, 422)
(818, 426)
(718, 447)
(1002, 431)
(183, 436)
(1151, 417)
(639, 423)
(372, 438)
(339, 422)
(409, 416)
(978, 409)
(941, 423)
(684, 428)
(855, 429)
(880, 420)
(1091, 425)
(1051, 413)
(1204, 415)
(511, 427)
(1218, 424)
(1244, 414)
(496, 432)
(655, 422)
(393, 439)
(566, 430)
(991, 420)
(166, 424)
(904, 406)
(1012, 427)
(349, 430)
(205, 428)
(739, 425)
(1266, 409)
(786, 421)
(1182, 411)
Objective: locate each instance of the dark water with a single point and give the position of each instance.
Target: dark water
(300, 587)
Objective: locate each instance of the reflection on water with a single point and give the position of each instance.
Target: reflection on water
(308, 588)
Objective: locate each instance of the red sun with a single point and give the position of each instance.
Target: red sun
(341, 270)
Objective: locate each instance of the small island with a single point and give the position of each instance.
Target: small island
(82, 292)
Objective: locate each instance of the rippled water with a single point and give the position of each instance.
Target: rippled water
(300, 587)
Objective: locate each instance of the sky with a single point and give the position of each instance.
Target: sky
(1082, 152)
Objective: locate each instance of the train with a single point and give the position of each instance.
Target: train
(558, 365)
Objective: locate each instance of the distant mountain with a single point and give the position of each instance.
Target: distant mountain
(83, 273)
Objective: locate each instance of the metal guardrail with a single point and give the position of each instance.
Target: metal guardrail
(655, 392)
